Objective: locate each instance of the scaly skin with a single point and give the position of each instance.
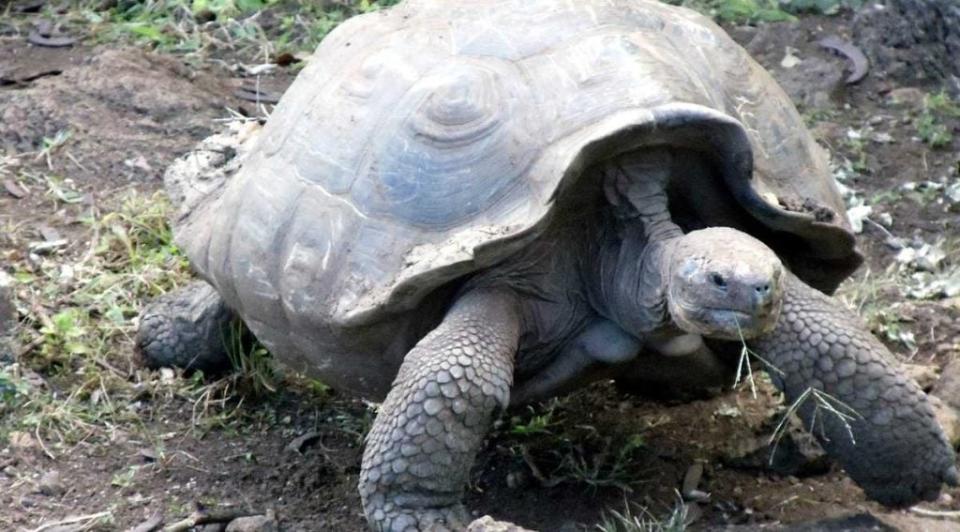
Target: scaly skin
(421, 447)
(185, 329)
(900, 455)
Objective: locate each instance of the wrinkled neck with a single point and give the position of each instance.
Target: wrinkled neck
(628, 270)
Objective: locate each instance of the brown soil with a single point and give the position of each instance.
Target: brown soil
(131, 112)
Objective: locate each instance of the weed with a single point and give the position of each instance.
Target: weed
(821, 401)
(557, 450)
(536, 423)
(124, 479)
(643, 520)
(930, 124)
(65, 334)
(755, 11)
(737, 11)
(356, 425)
(257, 29)
(822, 7)
(14, 390)
(130, 258)
(744, 368)
(857, 145)
(612, 464)
(814, 115)
(252, 364)
(52, 145)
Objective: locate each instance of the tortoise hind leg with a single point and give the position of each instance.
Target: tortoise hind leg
(421, 446)
(186, 328)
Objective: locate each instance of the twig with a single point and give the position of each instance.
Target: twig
(935, 513)
(206, 518)
(36, 342)
(535, 471)
(878, 226)
(72, 520)
(36, 432)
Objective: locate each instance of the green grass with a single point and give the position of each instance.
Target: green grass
(80, 320)
(759, 11)
(634, 518)
(931, 124)
(555, 450)
(253, 369)
(259, 29)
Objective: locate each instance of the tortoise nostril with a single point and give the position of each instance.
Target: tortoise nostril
(718, 280)
(762, 289)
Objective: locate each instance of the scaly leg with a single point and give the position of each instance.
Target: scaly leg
(186, 329)
(898, 453)
(421, 447)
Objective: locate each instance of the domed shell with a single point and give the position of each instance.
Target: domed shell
(428, 141)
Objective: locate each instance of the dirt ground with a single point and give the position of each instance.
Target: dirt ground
(173, 445)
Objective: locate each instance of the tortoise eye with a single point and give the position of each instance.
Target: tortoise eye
(718, 280)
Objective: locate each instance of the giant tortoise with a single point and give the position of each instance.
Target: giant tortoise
(462, 205)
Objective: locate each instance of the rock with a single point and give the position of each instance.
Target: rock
(254, 523)
(796, 453)
(908, 96)
(949, 420)
(906, 522)
(814, 83)
(863, 522)
(21, 440)
(948, 387)
(925, 376)
(8, 320)
(691, 482)
(911, 40)
(850, 523)
(811, 80)
(489, 524)
(51, 485)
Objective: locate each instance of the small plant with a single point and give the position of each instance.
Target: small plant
(537, 423)
(930, 124)
(66, 334)
(858, 150)
(124, 479)
(822, 401)
(642, 520)
(13, 390)
(80, 346)
(612, 465)
(52, 145)
(737, 11)
(820, 7)
(252, 364)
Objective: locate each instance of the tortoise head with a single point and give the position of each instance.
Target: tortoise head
(723, 283)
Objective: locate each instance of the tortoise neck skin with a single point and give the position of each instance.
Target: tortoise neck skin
(624, 273)
(623, 278)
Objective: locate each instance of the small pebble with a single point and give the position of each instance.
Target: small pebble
(254, 523)
(51, 485)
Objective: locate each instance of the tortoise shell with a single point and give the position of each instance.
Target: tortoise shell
(431, 140)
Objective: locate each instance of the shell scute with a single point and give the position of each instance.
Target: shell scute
(459, 141)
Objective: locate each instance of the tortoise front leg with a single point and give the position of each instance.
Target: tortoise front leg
(891, 446)
(421, 447)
